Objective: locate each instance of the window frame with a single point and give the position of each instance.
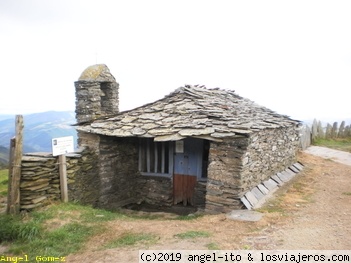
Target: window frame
(157, 156)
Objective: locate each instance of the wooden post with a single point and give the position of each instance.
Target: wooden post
(63, 178)
(11, 156)
(15, 168)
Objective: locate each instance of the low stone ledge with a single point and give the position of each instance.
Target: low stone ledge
(261, 193)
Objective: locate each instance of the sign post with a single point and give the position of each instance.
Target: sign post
(61, 146)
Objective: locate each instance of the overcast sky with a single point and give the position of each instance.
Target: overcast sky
(293, 57)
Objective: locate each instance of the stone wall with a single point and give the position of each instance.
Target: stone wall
(118, 171)
(155, 190)
(224, 174)
(106, 174)
(40, 180)
(92, 100)
(270, 151)
(239, 164)
(96, 94)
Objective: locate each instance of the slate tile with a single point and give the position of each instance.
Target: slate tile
(257, 193)
(251, 198)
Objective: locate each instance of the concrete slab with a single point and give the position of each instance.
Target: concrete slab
(270, 184)
(263, 189)
(251, 198)
(244, 215)
(277, 180)
(257, 193)
(246, 203)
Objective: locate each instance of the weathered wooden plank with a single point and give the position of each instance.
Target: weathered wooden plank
(14, 202)
(12, 152)
(163, 158)
(183, 188)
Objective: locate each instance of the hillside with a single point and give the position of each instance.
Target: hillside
(39, 129)
(4, 157)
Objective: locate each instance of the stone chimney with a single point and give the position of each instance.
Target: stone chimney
(96, 94)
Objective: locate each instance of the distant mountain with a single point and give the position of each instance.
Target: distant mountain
(39, 129)
(4, 157)
(6, 116)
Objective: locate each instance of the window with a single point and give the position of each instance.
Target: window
(155, 158)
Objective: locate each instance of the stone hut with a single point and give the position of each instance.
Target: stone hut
(196, 146)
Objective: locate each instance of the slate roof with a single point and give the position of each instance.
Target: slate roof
(191, 111)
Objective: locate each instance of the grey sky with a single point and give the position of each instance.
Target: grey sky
(291, 56)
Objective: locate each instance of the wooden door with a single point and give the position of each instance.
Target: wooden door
(187, 168)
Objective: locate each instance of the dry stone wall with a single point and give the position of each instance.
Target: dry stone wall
(238, 165)
(95, 99)
(118, 171)
(155, 190)
(223, 174)
(269, 152)
(40, 180)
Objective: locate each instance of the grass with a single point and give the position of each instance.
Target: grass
(273, 206)
(54, 231)
(59, 242)
(13, 228)
(212, 246)
(193, 234)
(130, 239)
(3, 182)
(337, 144)
(188, 217)
(346, 193)
(64, 228)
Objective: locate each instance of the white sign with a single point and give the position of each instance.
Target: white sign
(62, 145)
(179, 147)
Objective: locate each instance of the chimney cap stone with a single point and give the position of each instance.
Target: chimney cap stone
(97, 73)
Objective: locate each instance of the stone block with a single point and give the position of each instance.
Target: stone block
(246, 202)
(257, 193)
(263, 189)
(291, 173)
(298, 166)
(251, 198)
(284, 176)
(270, 184)
(294, 169)
(277, 180)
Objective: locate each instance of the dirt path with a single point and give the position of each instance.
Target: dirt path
(335, 155)
(310, 212)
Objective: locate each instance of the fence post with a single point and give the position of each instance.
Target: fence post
(13, 203)
(11, 155)
(63, 178)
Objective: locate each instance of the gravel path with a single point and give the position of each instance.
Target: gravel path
(335, 155)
